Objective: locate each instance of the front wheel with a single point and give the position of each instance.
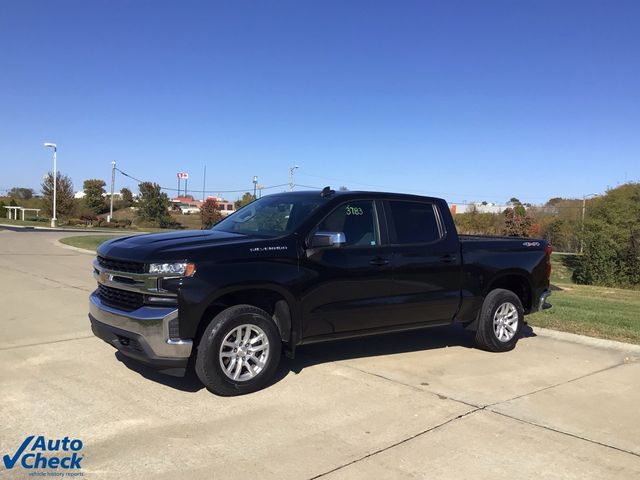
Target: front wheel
(500, 321)
(239, 351)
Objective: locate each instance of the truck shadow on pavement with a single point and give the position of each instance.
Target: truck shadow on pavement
(327, 352)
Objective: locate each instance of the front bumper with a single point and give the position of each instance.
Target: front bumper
(143, 334)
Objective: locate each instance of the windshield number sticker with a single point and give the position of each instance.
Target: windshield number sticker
(354, 210)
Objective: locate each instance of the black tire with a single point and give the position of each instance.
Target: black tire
(208, 364)
(486, 336)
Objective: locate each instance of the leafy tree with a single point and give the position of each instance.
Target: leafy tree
(3, 211)
(13, 203)
(20, 193)
(93, 195)
(246, 199)
(127, 197)
(472, 222)
(600, 264)
(554, 201)
(210, 213)
(153, 205)
(515, 224)
(612, 239)
(64, 195)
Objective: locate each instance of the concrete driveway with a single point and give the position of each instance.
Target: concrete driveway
(413, 405)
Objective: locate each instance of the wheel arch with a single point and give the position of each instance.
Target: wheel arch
(273, 299)
(516, 282)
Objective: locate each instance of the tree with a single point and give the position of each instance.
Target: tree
(127, 197)
(93, 195)
(246, 199)
(153, 205)
(515, 224)
(343, 188)
(612, 239)
(20, 193)
(210, 213)
(64, 195)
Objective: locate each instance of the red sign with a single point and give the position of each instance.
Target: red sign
(182, 175)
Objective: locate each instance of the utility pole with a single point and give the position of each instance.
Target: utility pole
(291, 170)
(113, 182)
(255, 185)
(204, 180)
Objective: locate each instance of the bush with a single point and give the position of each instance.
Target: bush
(103, 223)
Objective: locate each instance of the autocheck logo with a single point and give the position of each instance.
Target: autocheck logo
(39, 453)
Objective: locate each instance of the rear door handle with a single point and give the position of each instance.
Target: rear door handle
(379, 262)
(448, 258)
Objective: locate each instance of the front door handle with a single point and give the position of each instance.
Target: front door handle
(379, 262)
(448, 258)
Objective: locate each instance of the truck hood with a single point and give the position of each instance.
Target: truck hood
(168, 246)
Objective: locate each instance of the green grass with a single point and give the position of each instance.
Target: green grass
(602, 312)
(87, 242)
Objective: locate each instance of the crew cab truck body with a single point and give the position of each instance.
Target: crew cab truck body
(302, 267)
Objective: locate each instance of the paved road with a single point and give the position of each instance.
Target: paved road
(412, 405)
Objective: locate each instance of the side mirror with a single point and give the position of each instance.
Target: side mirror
(327, 239)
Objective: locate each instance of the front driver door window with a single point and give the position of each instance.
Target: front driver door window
(357, 220)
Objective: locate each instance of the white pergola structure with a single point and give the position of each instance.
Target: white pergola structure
(12, 212)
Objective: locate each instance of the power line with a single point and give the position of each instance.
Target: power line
(244, 190)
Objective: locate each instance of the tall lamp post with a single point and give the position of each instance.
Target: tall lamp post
(584, 210)
(255, 185)
(291, 171)
(54, 219)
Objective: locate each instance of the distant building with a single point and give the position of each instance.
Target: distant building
(80, 194)
(188, 204)
(480, 207)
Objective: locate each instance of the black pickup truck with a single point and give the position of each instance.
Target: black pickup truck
(301, 267)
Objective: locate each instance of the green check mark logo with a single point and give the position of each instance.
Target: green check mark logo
(10, 462)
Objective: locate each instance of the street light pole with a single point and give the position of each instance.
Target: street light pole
(54, 219)
(113, 181)
(255, 185)
(291, 170)
(584, 210)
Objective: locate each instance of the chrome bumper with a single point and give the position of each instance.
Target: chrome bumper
(150, 323)
(542, 302)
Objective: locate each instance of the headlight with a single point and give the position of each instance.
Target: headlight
(182, 269)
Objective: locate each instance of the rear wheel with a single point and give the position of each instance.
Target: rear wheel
(239, 351)
(500, 321)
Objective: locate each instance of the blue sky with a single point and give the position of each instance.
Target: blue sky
(470, 100)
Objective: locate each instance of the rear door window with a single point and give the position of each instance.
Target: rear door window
(413, 222)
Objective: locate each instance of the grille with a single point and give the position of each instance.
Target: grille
(121, 299)
(121, 265)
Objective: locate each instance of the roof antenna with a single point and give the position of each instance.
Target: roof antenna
(327, 192)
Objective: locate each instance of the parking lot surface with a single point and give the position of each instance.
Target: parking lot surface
(422, 404)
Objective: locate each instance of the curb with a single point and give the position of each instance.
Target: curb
(77, 249)
(88, 231)
(584, 340)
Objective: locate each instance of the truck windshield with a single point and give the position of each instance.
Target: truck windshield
(269, 216)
